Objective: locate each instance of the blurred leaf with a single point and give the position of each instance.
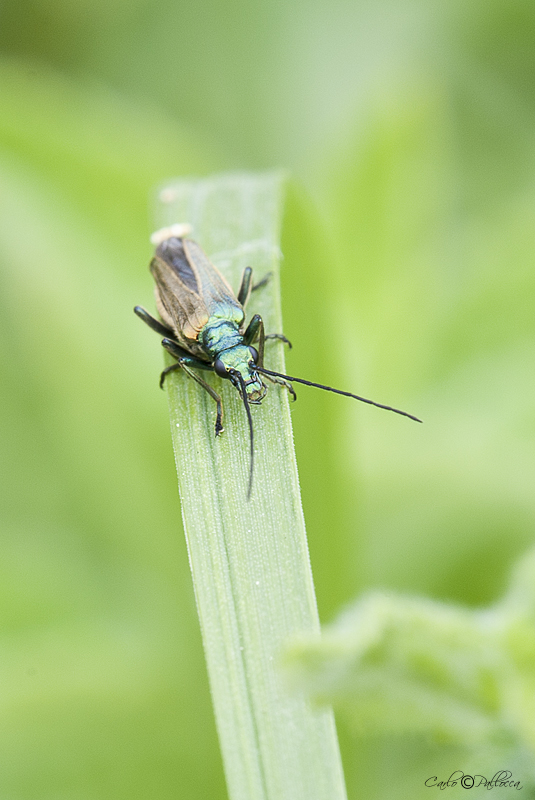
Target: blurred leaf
(104, 688)
(402, 665)
(100, 151)
(437, 286)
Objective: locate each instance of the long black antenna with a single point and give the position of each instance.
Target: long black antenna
(336, 391)
(250, 419)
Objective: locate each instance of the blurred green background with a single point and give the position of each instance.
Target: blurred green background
(407, 126)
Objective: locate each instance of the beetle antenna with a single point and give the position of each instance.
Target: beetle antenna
(336, 391)
(250, 420)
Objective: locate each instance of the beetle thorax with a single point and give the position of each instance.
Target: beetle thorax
(218, 335)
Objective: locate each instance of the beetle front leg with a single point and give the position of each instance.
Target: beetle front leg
(181, 354)
(212, 393)
(282, 382)
(256, 328)
(185, 361)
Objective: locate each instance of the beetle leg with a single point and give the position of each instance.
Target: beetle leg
(282, 382)
(166, 372)
(245, 286)
(185, 362)
(262, 282)
(182, 360)
(211, 392)
(180, 353)
(251, 331)
(279, 336)
(155, 324)
(256, 328)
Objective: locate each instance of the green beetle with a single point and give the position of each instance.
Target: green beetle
(203, 326)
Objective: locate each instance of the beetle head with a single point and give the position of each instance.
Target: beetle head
(238, 364)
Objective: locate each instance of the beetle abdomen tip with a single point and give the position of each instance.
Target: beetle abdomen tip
(180, 229)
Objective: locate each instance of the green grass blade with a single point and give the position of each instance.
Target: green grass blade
(249, 560)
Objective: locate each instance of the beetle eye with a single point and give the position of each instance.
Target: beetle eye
(220, 369)
(254, 353)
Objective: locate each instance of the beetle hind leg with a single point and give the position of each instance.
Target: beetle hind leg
(266, 279)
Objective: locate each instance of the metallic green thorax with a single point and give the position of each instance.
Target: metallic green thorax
(221, 339)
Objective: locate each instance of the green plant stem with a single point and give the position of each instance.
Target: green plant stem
(249, 559)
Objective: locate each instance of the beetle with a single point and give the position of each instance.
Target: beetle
(203, 327)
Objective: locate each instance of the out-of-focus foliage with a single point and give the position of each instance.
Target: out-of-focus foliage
(408, 277)
(409, 665)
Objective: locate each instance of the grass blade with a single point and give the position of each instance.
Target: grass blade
(249, 559)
